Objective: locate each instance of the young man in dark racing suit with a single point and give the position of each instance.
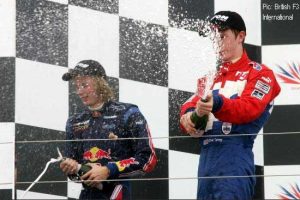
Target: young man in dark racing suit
(124, 148)
(240, 102)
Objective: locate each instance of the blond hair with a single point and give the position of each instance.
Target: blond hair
(103, 89)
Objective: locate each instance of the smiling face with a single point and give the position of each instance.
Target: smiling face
(87, 91)
(230, 45)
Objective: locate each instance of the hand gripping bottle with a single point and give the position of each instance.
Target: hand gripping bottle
(81, 170)
(200, 122)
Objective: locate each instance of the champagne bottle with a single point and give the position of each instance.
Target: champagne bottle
(81, 170)
(200, 122)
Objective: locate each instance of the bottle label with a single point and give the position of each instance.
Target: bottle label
(201, 87)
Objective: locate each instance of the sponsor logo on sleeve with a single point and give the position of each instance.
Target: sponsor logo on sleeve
(258, 94)
(266, 79)
(264, 87)
(126, 163)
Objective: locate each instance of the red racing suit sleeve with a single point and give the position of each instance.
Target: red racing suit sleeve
(261, 88)
(188, 106)
(144, 159)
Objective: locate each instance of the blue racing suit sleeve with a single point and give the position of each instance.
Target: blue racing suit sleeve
(144, 158)
(72, 147)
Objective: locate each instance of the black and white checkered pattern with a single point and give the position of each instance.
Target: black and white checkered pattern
(153, 57)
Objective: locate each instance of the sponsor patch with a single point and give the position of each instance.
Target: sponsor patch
(81, 126)
(257, 67)
(264, 87)
(108, 126)
(110, 117)
(95, 154)
(258, 94)
(226, 128)
(126, 163)
(220, 17)
(267, 79)
(118, 107)
(207, 141)
(83, 65)
(241, 75)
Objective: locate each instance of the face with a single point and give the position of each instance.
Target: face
(86, 90)
(229, 45)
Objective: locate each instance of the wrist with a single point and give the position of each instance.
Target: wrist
(217, 103)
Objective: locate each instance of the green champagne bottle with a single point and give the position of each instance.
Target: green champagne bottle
(84, 169)
(81, 170)
(200, 122)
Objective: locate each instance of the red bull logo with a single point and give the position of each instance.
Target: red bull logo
(126, 163)
(95, 154)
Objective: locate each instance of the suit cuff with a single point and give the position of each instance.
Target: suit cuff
(218, 103)
(113, 170)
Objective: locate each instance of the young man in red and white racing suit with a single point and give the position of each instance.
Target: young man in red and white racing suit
(240, 103)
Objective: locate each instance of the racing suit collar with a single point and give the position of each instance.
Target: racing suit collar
(229, 66)
(98, 108)
(98, 113)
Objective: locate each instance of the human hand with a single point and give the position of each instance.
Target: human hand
(69, 166)
(187, 123)
(189, 126)
(94, 176)
(204, 107)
